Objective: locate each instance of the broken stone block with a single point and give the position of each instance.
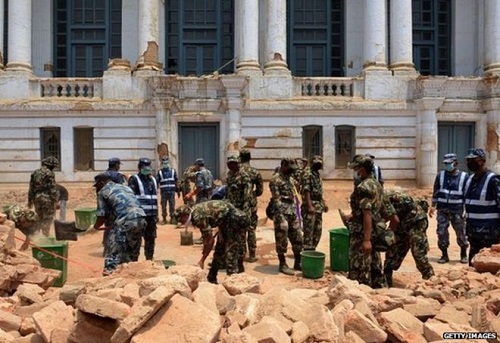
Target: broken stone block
(223, 300)
(5, 337)
(90, 328)
(240, 337)
(449, 314)
(268, 332)
(352, 337)
(31, 338)
(59, 336)
(193, 274)
(30, 293)
(238, 318)
(487, 261)
(55, 316)
(241, 283)
(363, 327)
(248, 306)
(113, 294)
(176, 282)
(130, 294)
(205, 295)
(403, 325)
(9, 321)
(300, 332)
(27, 326)
(102, 307)
(180, 320)
(424, 308)
(481, 317)
(69, 292)
(339, 312)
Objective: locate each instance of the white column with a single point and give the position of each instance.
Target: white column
(375, 35)
(19, 35)
(427, 142)
(492, 37)
(148, 30)
(275, 37)
(2, 53)
(401, 36)
(492, 107)
(233, 103)
(246, 30)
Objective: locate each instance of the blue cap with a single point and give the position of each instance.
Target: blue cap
(200, 161)
(450, 158)
(476, 152)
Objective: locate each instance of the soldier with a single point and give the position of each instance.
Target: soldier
(257, 190)
(63, 201)
(482, 204)
(365, 264)
(239, 193)
(43, 193)
(119, 202)
(145, 189)
(313, 204)
(377, 173)
(169, 185)
(114, 165)
(188, 176)
(230, 222)
(24, 219)
(448, 198)
(286, 225)
(204, 183)
(410, 234)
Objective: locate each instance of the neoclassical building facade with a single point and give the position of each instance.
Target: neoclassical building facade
(404, 80)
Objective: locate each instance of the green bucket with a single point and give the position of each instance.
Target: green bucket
(339, 249)
(43, 253)
(313, 264)
(85, 217)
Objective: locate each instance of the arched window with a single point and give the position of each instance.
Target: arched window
(50, 143)
(312, 141)
(344, 145)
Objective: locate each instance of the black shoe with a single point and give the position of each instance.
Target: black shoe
(388, 277)
(463, 256)
(444, 258)
(285, 269)
(241, 267)
(297, 266)
(252, 259)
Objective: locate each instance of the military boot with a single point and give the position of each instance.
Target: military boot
(388, 276)
(164, 222)
(297, 265)
(212, 274)
(241, 266)
(444, 258)
(463, 255)
(284, 268)
(251, 257)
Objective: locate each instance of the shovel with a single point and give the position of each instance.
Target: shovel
(186, 237)
(66, 230)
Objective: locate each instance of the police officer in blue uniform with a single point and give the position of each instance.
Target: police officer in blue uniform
(169, 184)
(145, 188)
(114, 164)
(482, 203)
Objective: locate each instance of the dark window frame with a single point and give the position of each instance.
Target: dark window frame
(50, 143)
(312, 141)
(84, 158)
(345, 145)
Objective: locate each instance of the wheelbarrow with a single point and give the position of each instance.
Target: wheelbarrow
(66, 231)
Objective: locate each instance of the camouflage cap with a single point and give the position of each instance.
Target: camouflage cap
(476, 152)
(30, 215)
(50, 161)
(449, 158)
(316, 159)
(180, 211)
(233, 158)
(244, 151)
(361, 161)
(290, 162)
(104, 176)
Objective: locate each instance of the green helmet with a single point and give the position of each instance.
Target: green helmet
(50, 161)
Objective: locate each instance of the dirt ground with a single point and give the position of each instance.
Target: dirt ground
(85, 255)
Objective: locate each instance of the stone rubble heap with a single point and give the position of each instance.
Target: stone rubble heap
(144, 302)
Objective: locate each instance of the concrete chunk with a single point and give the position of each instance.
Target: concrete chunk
(363, 327)
(102, 307)
(90, 328)
(403, 325)
(9, 321)
(241, 283)
(55, 316)
(268, 332)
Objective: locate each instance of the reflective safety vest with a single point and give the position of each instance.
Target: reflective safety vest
(167, 180)
(148, 202)
(481, 208)
(450, 195)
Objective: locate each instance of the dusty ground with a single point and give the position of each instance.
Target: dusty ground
(85, 255)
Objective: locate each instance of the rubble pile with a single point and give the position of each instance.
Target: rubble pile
(144, 302)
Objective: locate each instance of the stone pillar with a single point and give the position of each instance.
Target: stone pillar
(401, 37)
(275, 38)
(492, 37)
(234, 103)
(2, 20)
(19, 35)
(247, 37)
(148, 34)
(375, 33)
(427, 141)
(492, 107)
(163, 124)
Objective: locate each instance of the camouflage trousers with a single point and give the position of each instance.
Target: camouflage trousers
(366, 268)
(228, 248)
(123, 242)
(283, 233)
(251, 238)
(167, 198)
(412, 237)
(312, 225)
(457, 221)
(45, 210)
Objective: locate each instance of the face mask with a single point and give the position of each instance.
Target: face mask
(317, 166)
(146, 171)
(166, 165)
(473, 166)
(449, 167)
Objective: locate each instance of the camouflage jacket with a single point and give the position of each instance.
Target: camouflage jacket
(282, 193)
(239, 190)
(210, 214)
(311, 182)
(15, 212)
(204, 181)
(187, 177)
(118, 201)
(257, 183)
(43, 186)
(368, 195)
(407, 208)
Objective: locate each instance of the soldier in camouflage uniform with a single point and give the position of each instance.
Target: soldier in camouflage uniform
(43, 193)
(365, 264)
(119, 202)
(239, 193)
(410, 234)
(257, 190)
(230, 222)
(204, 183)
(313, 204)
(185, 184)
(286, 225)
(24, 219)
